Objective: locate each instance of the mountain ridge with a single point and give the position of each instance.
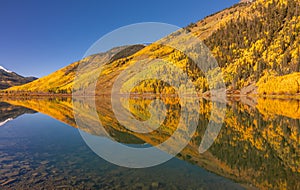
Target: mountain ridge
(65, 84)
(9, 78)
(4, 69)
(252, 42)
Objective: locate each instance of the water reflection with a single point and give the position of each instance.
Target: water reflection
(257, 145)
(10, 112)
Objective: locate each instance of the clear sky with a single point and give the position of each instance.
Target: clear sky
(39, 37)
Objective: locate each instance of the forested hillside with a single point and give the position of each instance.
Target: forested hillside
(255, 43)
(261, 40)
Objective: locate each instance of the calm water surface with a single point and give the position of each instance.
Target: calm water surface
(258, 147)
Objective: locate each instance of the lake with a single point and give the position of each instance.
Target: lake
(41, 145)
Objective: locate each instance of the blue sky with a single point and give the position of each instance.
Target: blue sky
(39, 37)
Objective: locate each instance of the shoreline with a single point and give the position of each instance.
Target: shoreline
(152, 95)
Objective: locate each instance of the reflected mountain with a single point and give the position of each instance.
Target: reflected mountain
(257, 146)
(9, 112)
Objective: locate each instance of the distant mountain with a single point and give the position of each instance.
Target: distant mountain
(9, 79)
(61, 81)
(256, 44)
(2, 68)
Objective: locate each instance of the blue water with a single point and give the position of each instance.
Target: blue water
(37, 151)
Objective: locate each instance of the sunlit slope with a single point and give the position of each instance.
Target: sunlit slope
(61, 81)
(262, 40)
(279, 85)
(250, 41)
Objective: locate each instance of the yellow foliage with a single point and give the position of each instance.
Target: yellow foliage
(279, 85)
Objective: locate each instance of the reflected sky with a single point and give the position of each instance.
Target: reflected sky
(39, 151)
(258, 146)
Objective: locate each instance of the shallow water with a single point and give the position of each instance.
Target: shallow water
(256, 147)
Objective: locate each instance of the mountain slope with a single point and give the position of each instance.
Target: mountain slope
(61, 81)
(262, 40)
(9, 78)
(252, 42)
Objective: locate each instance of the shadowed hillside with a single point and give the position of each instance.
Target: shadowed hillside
(9, 79)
